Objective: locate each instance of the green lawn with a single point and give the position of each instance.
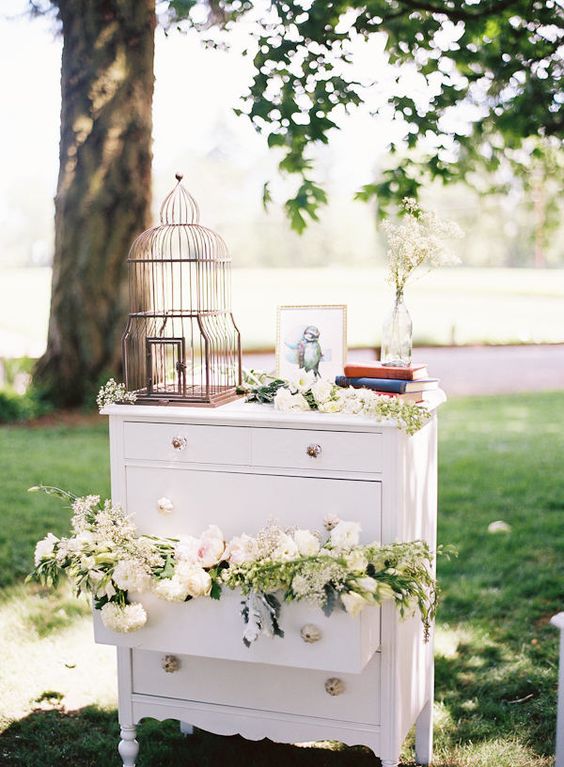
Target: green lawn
(496, 658)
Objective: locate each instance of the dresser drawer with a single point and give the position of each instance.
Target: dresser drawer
(262, 687)
(187, 444)
(213, 629)
(310, 449)
(238, 502)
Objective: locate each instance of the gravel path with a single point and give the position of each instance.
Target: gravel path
(472, 370)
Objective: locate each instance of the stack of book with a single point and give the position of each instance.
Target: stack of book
(410, 383)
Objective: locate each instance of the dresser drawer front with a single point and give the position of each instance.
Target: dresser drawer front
(185, 444)
(213, 629)
(262, 687)
(318, 450)
(240, 502)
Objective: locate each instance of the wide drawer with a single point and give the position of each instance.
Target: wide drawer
(263, 687)
(239, 502)
(213, 629)
(187, 444)
(317, 450)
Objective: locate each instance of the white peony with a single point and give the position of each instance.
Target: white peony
(172, 589)
(130, 575)
(44, 548)
(307, 543)
(212, 547)
(123, 619)
(353, 603)
(241, 549)
(287, 402)
(322, 391)
(345, 535)
(285, 549)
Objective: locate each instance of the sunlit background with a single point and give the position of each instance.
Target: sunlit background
(225, 162)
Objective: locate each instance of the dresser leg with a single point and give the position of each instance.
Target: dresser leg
(390, 762)
(186, 729)
(424, 735)
(128, 747)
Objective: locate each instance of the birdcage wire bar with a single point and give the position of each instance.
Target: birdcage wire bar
(181, 344)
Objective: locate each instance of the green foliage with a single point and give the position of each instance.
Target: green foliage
(499, 58)
(16, 407)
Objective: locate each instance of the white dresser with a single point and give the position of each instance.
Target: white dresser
(367, 679)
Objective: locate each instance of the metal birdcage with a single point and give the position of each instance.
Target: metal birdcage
(181, 344)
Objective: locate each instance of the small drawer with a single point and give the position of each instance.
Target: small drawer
(328, 695)
(213, 629)
(325, 450)
(187, 444)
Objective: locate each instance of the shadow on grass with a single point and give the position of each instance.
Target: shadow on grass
(89, 737)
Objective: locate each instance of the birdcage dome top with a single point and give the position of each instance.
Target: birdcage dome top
(179, 236)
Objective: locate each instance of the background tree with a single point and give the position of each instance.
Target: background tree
(499, 58)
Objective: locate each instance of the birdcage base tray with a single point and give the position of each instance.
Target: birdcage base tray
(196, 400)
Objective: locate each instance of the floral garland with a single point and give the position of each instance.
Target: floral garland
(105, 557)
(311, 393)
(113, 393)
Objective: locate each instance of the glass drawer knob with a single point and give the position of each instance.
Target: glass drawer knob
(314, 451)
(165, 505)
(334, 686)
(170, 664)
(310, 633)
(179, 443)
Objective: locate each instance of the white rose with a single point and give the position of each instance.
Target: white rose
(353, 603)
(123, 619)
(356, 561)
(286, 548)
(44, 548)
(241, 549)
(345, 535)
(287, 402)
(322, 391)
(307, 543)
(197, 581)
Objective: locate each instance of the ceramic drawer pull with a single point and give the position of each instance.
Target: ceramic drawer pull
(313, 450)
(310, 633)
(334, 686)
(179, 443)
(165, 505)
(170, 664)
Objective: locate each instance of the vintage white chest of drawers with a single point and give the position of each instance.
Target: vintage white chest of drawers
(367, 679)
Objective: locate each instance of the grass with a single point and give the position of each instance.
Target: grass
(496, 659)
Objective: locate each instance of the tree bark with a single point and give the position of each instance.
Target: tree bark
(104, 188)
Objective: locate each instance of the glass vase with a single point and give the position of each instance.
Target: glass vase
(397, 336)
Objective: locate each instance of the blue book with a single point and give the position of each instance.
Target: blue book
(392, 385)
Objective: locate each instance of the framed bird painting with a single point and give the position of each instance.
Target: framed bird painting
(311, 339)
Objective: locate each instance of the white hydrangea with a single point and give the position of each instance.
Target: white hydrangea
(44, 548)
(123, 619)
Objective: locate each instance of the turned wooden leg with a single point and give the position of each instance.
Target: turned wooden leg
(128, 747)
(424, 735)
(390, 762)
(186, 729)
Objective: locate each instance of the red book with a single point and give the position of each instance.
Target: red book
(377, 370)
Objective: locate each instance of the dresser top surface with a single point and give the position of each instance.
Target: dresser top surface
(241, 413)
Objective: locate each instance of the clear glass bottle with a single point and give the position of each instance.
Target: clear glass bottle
(397, 336)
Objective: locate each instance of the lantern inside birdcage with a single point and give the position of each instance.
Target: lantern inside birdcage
(181, 344)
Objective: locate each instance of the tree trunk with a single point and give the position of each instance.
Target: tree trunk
(104, 188)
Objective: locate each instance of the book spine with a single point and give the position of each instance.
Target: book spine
(377, 384)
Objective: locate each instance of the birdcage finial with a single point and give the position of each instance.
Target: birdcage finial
(179, 207)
